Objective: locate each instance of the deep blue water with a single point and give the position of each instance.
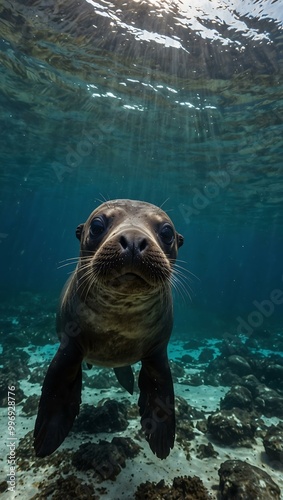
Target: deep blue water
(176, 103)
(84, 118)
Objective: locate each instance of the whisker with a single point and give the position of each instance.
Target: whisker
(85, 275)
(177, 289)
(165, 279)
(92, 281)
(180, 274)
(86, 268)
(73, 260)
(176, 264)
(103, 200)
(180, 288)
(67, 264)
(70, 258)
(180, 281)
(84, 283)
(165, 201)
(85, 265)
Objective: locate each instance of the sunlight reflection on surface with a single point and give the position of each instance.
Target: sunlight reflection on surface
(211, 20)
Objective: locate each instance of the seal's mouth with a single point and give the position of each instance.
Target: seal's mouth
(128, 278)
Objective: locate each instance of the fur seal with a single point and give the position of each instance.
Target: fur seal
(116, 310)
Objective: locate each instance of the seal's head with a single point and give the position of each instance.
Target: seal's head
(127, 244)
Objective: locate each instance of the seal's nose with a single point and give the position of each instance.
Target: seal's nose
(133, 243)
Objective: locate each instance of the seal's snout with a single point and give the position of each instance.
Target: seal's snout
(133, 244)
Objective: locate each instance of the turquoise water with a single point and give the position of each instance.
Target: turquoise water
(175, 103)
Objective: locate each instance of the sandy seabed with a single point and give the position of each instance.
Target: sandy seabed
(145, 466)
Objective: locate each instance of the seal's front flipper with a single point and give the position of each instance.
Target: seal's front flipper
(156, 403)
(125, 377)
(60, 400)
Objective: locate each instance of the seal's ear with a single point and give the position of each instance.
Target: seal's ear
(180, 240)
(79, 231)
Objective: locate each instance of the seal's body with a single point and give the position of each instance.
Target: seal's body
(115, 310)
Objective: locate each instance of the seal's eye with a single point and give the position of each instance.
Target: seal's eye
(97, 227)
(167, 234)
